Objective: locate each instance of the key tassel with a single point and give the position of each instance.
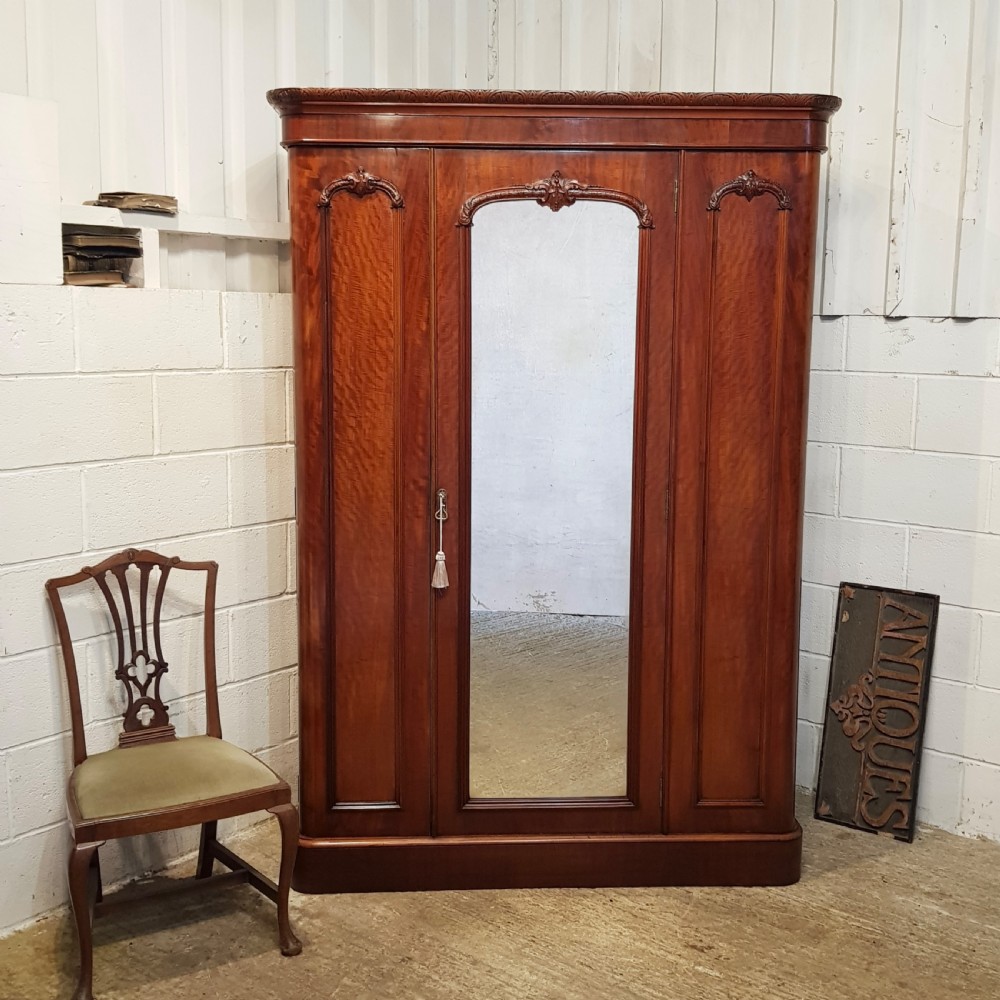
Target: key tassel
(439, 579)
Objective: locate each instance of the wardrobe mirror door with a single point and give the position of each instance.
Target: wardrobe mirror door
(553, 382)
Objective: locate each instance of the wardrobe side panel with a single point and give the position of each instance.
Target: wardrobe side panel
(743, 335)
(360, 237)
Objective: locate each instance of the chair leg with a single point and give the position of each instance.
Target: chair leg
(288, 818)
(80, 858)
(205, 859)
(100, 881)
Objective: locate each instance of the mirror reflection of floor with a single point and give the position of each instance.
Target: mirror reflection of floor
(548, 705)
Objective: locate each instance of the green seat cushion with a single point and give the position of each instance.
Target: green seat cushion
(164, 775)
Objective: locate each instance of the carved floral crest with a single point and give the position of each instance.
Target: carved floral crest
(555, 192)
(361, 183)
(750, 185)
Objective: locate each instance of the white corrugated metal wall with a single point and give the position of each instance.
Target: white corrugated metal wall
(158, 95)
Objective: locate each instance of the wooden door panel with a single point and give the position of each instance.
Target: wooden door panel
(643, 182)
(743, 342)
(363, 360)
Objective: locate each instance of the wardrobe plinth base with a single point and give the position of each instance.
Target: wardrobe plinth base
(418, 864)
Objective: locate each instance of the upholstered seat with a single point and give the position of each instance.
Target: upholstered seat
(167, 775)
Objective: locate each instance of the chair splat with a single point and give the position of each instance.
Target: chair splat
(146, 718)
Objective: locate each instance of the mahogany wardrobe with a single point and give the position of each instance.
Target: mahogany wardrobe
(551, 357)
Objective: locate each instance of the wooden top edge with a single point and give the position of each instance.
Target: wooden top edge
(288, 100)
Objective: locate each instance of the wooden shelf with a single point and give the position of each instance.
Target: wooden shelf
(183, 223)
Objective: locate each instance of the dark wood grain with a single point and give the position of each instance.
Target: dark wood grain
(725, 187)
(364, 268)
(553, 119)
(405, 865)
(361, 260)
(744, 302)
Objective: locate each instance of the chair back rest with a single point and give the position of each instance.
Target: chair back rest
(141, 663)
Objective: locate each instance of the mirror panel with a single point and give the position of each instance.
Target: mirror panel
(553, 377)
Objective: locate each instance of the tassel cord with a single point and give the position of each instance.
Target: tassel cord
(439, 578)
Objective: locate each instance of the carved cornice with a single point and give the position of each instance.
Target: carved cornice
(555, 192)
(749, 186)
(287, 99)
(361, 184)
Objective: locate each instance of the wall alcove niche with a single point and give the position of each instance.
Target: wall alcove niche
(577, 324)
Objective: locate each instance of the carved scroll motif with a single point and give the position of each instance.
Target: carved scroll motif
(854, 710)
(749, 186)
(555, 192)
(361, 184)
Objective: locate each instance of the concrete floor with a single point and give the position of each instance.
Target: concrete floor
(870, 918)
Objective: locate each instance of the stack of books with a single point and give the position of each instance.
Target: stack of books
(99, 255)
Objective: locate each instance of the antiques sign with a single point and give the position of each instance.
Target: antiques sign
(875, 709)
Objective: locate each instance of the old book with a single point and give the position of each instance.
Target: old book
(101, 245)
(136, 201)
(94, 278)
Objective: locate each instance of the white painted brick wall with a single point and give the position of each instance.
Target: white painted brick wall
(828, 338)
(220, 410)
(42, 513)
(33, 703)
(4, 801)
(36, 329)
(818, 605)
(959, 415)
(148, 330)
(56, 420)
(38, 783)
(846, 408)
(957, 644)
(111, 440)
(939, 802)
(989, 652)
(837, 549)
(980, 811)
(911, 410)
(822, 478)
(262, 485)
(914, 487)
(964, 568)
(258, 330)
(157, 498)
(263, 637)
(922, 346)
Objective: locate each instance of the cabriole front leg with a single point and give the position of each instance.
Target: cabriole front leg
(81, 857)
(288, 819)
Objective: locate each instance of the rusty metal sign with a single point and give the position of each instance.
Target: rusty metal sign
(876, 704)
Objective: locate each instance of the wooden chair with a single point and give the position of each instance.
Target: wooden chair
(153, 780)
